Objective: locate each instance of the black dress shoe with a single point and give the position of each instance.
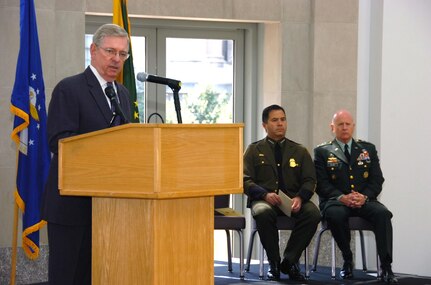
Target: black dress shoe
(388, 276)
(273, 271)
(292, 270)
(347, 270)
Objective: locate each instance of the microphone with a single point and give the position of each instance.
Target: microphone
(174, 84)
(110, 92)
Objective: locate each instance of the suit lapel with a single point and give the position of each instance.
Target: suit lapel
(124, 102)
(336, 149)
(122, 96)
(98, 95)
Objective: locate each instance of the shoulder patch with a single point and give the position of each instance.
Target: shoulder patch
(256, 142)
(362, 141)
(365, 144)
(293, 142)
(325, 143)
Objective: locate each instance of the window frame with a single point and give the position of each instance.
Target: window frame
(157, 30)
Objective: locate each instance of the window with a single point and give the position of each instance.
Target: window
(206, 57)
(207, 90)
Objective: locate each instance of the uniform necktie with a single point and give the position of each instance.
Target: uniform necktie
(110, 91)
(279, 161)
(346, 152)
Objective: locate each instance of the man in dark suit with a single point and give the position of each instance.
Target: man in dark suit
(277, 164)
(349, 180)
(79, 105)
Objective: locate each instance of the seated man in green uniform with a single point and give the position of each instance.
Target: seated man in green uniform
(273, 165)
(349, 179)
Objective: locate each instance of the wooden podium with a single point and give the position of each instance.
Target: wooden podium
(153, 188)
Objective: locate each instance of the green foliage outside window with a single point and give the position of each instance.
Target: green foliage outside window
(209, 107)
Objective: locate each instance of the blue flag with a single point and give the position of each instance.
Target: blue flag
(29, 130)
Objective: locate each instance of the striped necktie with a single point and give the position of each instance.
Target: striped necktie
(110, 93)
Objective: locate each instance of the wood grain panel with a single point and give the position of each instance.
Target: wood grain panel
(123, 239)
(139, 241)
(153, 161)
(153, 206)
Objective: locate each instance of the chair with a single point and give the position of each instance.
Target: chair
(283, 223)
(355, 224)
(227, 219)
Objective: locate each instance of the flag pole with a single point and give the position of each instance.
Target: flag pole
(15, 233)
(14, 245)
(29, 134)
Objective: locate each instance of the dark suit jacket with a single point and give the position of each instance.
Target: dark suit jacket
(78, 106)
(260, 171)
(337, 176)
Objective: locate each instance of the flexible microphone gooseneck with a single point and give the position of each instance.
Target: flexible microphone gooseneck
(175, 85)
(172, 83)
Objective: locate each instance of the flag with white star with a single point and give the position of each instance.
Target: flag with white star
(29, 130)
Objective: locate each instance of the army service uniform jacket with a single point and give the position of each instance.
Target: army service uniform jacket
(337, 176)
(261, 176)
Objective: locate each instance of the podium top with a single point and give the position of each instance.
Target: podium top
(154, 161)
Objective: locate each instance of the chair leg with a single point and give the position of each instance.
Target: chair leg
(307, 270)
(241, 254)
(250, 249)
(364, 258)
(229, 251)
(261, 257)
(379, 270)
(333, 258)
(316, 249)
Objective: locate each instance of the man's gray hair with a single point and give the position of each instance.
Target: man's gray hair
(109, 30)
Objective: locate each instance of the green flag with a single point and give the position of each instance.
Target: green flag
(127, 76)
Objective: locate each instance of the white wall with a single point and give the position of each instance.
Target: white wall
(405, 130)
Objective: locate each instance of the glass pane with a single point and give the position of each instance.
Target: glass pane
(205, 68)
(138, 52)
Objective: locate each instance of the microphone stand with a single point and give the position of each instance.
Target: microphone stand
(177, 104)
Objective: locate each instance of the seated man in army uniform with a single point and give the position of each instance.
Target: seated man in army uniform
(349, 180)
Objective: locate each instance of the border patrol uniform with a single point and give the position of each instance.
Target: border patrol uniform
(261, 178)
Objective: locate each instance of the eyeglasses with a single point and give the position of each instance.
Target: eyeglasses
(113, 53)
